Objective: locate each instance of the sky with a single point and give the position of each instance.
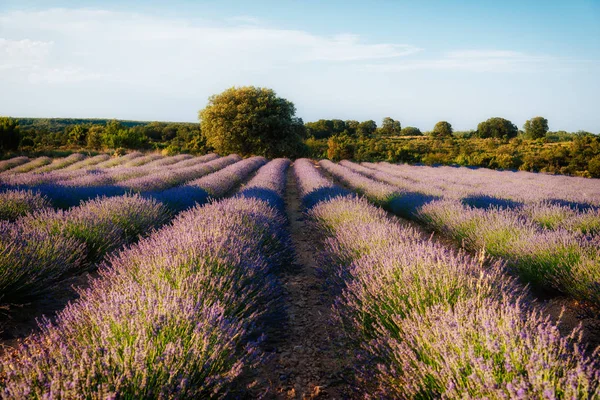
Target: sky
(416, 61)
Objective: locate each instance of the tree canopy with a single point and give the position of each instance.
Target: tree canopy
(411, 131)
(442, 129)
(536, 128)
(390, 127)
(496, 128)
(9, 134)
(252, 120)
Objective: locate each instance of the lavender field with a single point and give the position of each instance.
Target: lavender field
(150, 276)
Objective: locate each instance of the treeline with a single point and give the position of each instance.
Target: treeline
(496, 143)
(579, 156)
(42, 134)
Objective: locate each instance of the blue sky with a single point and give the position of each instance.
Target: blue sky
(419, 62)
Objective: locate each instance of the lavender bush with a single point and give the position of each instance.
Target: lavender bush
(77, 238)
(269, 183)
(432, 323)
(138, 161)
(16, 203)
(33, 259)
(223, 181)
(31, 165)
(61, 162)
(119, 160)
(313, 186)
(168, 177)
(551, 260)
(13, 162)
(170, 317)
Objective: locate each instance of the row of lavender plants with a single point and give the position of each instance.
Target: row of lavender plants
(215, 185)
(175, 316)
(519, 187)
(13, 162)
(43, 247)
(553, 205)
(91, 174)
(432, 323)
(551, 260)
(68, 188)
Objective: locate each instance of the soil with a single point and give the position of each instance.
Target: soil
(307, 361)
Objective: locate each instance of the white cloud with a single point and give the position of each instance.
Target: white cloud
(24, 53)
(473, 61)
(135, 48)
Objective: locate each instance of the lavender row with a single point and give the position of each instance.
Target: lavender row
(41, 248)
(13, 162)
(551, 260)
(520, 187)
(315, 187)
(17, 203)
(88, 162)
(431, 323)
(53, 173)
(215, 185)
(548, 206)
(60, 163)
(178, 174)
(170, 317)
(30, 165)
(138, 161)
(269, 183)
(47, 245)
(113, 162)
(379, 192)
(68, 188)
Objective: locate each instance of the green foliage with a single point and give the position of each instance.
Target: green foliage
(325, 128)
(441, 129)
(252, 121)
(464, 134)
(536, 128)
(10, 135)
(366, 128)
(116, 136)
(43, 134)
(340, 147)
(411, 131)
(580, 157)
(496, 128)
(594, 166)
(390, 127)
(77, 134)
(94, 138)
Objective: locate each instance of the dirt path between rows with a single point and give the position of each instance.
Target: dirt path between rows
(306, 361)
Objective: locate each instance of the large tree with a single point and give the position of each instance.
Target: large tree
(367, 128)
(496, 128)
(536, 128)
(411, 131)
(390, 127)
(252, 121)
(9, 134)
(442, 129)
